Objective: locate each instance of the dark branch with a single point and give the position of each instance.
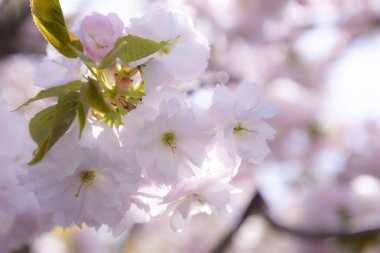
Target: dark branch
(253, 206)
(258, 206)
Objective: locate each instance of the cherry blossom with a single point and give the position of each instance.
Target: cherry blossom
(56, 69)
(197, 195)
(141, 150)
(99, 33)
(86, 188)
(171, 138)
(183, 60)
(240, 119)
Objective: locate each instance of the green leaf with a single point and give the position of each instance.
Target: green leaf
(49, 19)
(40, 124)
(120, 47)
(85, 59)
(82, 116)
(40, 152)
(54, 92)
(64, 116)
(93, 96)
(47, 129)
(138, 48)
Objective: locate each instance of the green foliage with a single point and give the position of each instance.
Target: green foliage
(49, 19)
(82, 116)
(92, 95)
(119, 48)
(128, 48)
(40, 124)
(85, 59)
(47, 126)
(54, 92)
(138, 48)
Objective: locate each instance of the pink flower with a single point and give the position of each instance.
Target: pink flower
(240, 116)
(171, 139)
(197, 195)
(99, 33)
(183, 60)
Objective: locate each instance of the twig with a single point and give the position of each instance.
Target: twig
(252, 207)
(258, 206)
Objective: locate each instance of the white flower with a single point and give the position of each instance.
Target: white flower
(21, 218)
(149, 110)
(183, 60)
(79, 184)
(14, 134)
(16, 83)
(197, 195)
(168, 136)
(9, 192)
(56, 69)
(240, 118)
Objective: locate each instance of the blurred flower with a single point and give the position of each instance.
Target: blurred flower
(56, 69)
(239, 116)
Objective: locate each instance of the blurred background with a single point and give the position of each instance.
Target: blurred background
(318, 62)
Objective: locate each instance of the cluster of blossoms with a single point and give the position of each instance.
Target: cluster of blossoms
(143, 149)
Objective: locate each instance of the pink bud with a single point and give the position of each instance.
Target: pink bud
(99, 34)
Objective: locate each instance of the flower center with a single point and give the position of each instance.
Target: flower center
(239, 127)
(87, 177)
(169, 139)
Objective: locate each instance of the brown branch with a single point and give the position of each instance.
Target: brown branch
(258, 206)
(255, 203)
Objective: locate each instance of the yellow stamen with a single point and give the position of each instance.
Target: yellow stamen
(240, 128)
(87, 177)
(169, 139)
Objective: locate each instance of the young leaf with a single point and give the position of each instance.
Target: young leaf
(92, 95)
(52, 124)
(64, 116)
(82, 116)
(54, 92)
(85, 59)
(49, 19)
(40, 124)
(120, 47)
(138, 48)
(40, 152)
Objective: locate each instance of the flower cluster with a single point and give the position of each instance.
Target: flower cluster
(141, 149)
